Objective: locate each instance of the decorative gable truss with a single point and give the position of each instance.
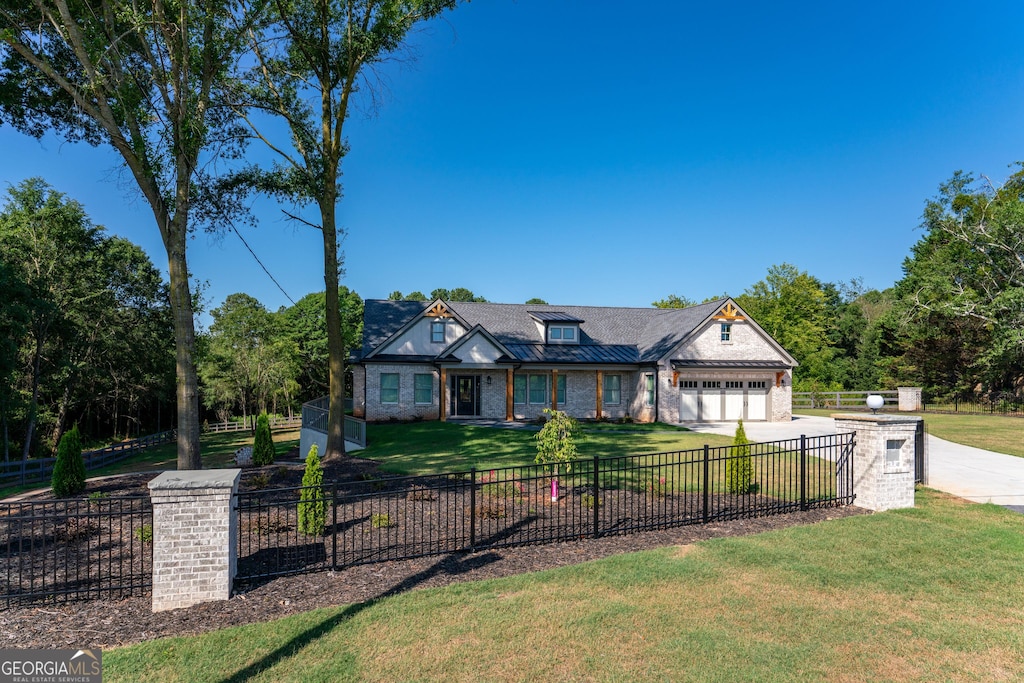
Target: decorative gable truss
(416, 338)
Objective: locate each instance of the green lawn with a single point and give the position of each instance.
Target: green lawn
(926, 594)
(218, 450)
(429, 447)
(989, 432)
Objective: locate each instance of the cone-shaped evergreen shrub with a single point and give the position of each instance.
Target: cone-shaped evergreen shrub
(313, 498)
(739, 468)
(69, 470)
(263, 445)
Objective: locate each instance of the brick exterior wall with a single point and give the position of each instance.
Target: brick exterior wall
(878, 483)
(406, 408)
(195, 536)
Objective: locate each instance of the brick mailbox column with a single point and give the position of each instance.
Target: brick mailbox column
(883, 459)
(195, 532)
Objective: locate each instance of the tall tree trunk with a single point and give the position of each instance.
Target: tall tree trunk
(335, 343)
(33, 406)
(62, 415)
(184, 344)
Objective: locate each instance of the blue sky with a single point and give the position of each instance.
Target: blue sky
(609, 153)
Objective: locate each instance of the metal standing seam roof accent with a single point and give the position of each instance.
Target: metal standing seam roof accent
(741, 364)
(554, 316)
(573, 353)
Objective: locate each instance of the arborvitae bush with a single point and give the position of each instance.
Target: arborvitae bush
(739, 468)
(69, 470)
(263, 445)
(313, 498)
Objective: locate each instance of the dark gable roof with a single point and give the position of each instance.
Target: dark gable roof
(553, 316)
(382, 318)
(642, 334)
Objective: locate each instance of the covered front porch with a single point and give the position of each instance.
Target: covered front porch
(523, 393)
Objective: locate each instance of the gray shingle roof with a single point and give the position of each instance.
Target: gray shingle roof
(648, 333)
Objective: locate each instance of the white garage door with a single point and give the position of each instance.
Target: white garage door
(688, 405)
(733, 404)
(711, 405)
(757, 404)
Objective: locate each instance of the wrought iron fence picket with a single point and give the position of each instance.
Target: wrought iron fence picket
(405, 517)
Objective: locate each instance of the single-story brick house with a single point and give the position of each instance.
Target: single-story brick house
(448, 360)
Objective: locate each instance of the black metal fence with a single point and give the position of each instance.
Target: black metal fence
(406, 517)
(1009, 405)
(76, 549)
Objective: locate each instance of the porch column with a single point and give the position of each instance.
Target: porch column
(509, 396)
(554, 389)
(600, 393)
(443, 395)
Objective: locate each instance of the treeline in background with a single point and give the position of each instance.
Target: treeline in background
(86, 335)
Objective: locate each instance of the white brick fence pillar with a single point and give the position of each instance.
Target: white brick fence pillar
(195, 534)
(883, 459)
(910, 399)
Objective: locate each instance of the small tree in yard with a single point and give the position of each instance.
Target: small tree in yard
(69, 470)
(739, 468)
(263, 445)
(312, 499)
(556, 444)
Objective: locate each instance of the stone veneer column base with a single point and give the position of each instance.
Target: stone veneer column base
(195, 533)
(883, 478)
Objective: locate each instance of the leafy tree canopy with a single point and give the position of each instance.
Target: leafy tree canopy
(674, 301)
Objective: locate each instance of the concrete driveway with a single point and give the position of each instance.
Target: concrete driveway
(965, 471)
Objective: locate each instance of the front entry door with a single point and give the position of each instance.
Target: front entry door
(466, 396)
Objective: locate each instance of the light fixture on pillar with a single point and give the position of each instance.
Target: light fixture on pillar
(875, 402)
(489, 380)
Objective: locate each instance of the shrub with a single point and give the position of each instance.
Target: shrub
(556, 441)
(382, 520)
(69, 470)
(739, 468)
(263, 444)
(313, 499)
(144, 533)
(659, 487)
(260, 481)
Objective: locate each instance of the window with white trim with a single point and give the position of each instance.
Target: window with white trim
(389, 387)
(726, 332)
(649, 389)
(562, 334)
(760, 384)
(437, 332)
(424, 389)
(730, 384)
(712, 384)
(688, 384)
(613, 389)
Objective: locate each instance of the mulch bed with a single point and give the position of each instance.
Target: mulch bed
(108, 623)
